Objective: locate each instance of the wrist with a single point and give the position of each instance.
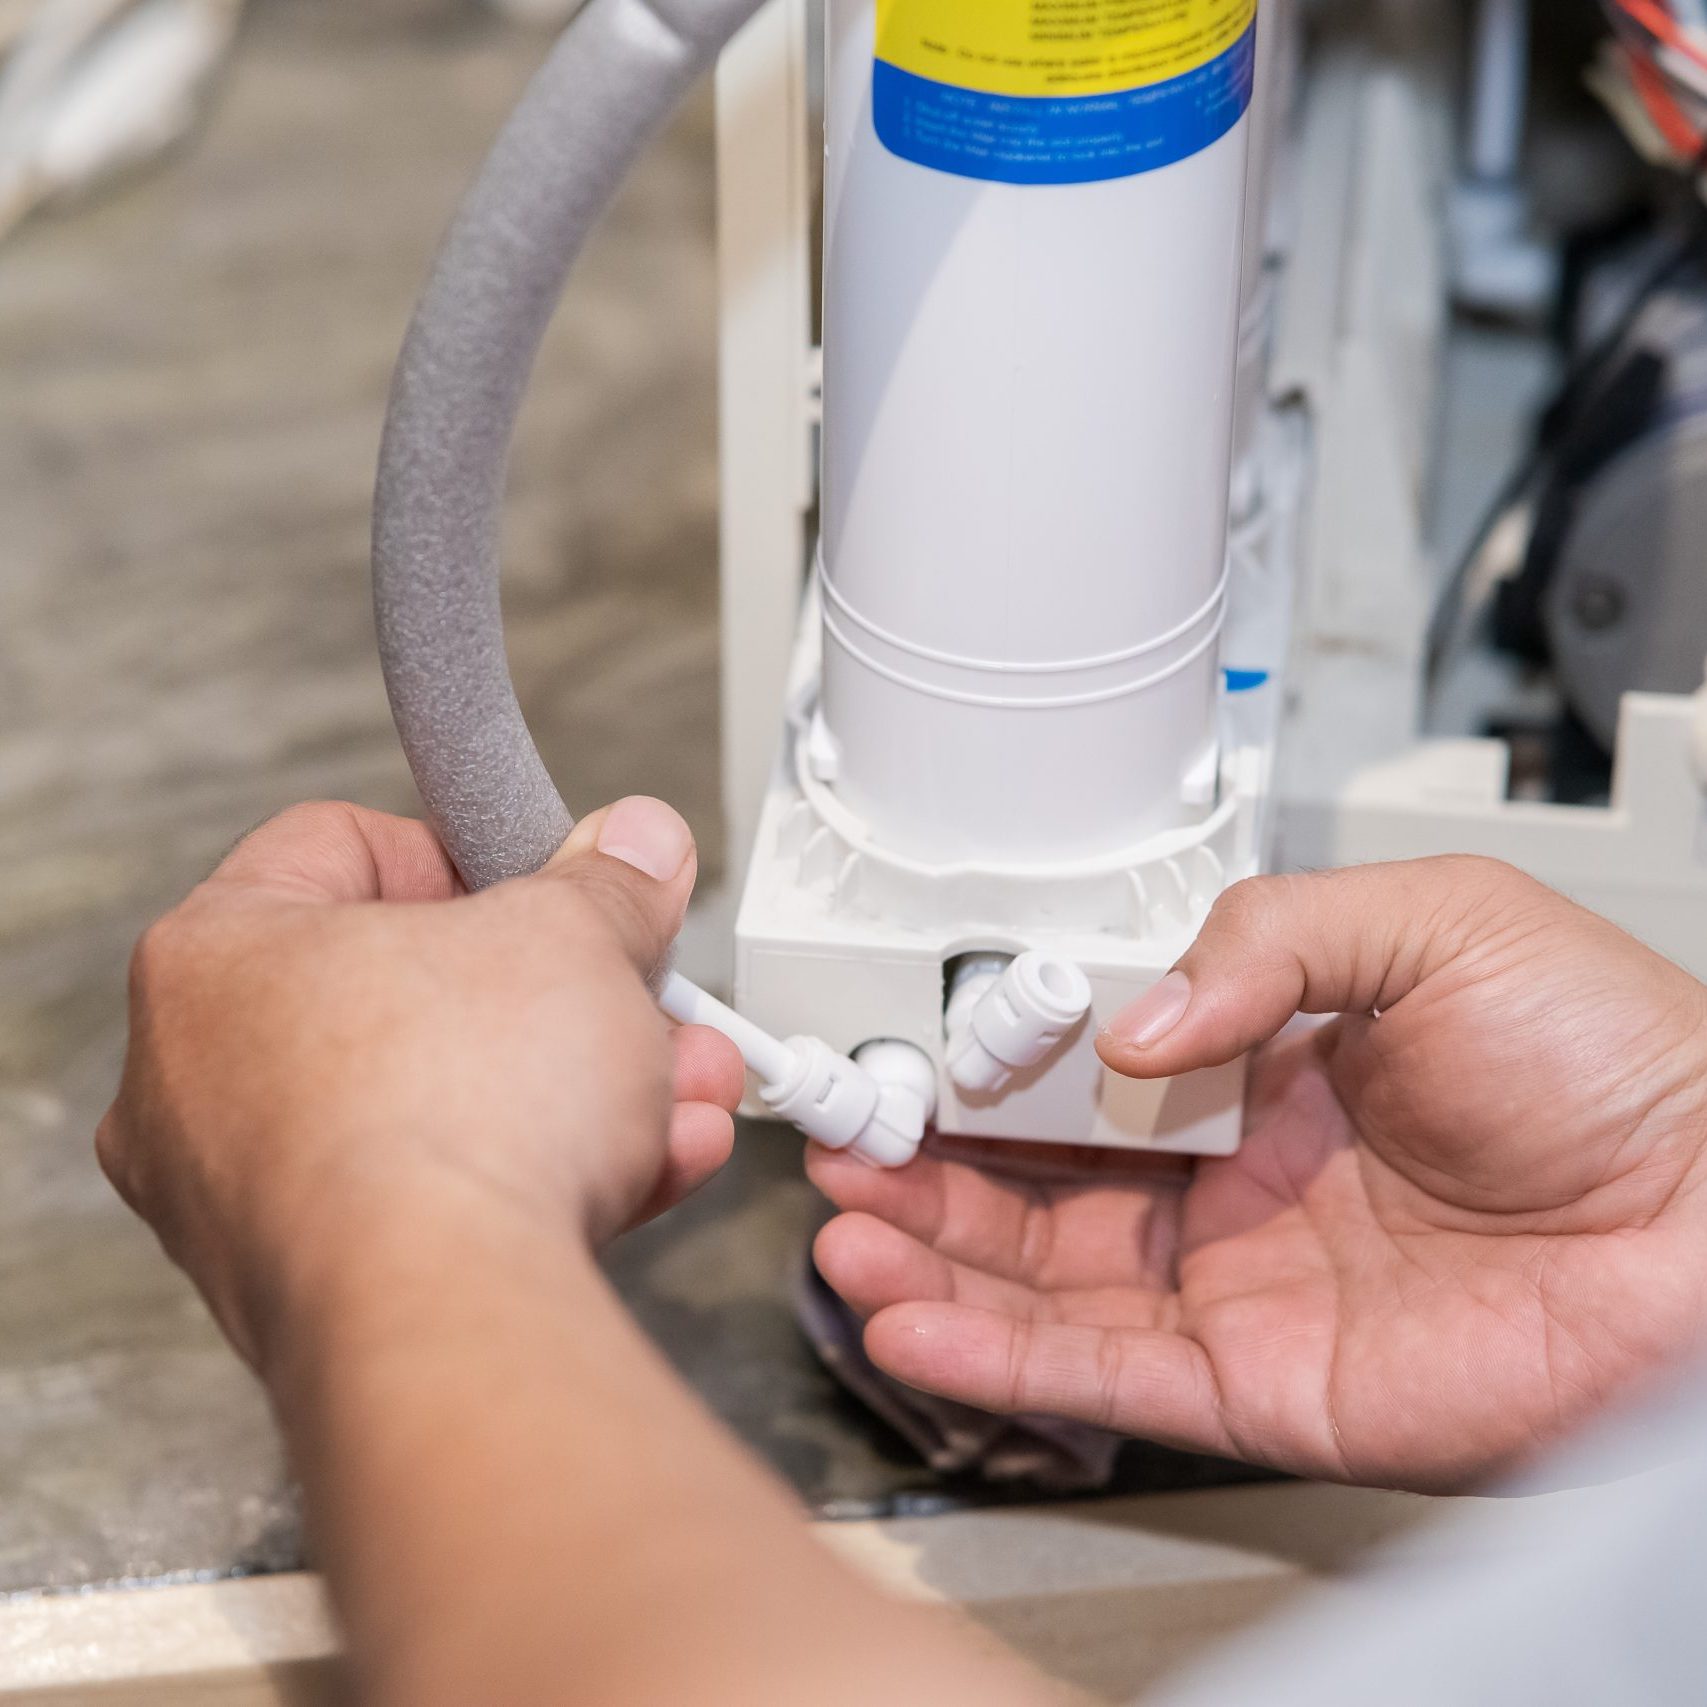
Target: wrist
(383, 1269)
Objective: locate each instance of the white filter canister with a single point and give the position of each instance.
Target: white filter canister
(1033, 240)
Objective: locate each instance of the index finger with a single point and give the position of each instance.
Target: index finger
(334, 853)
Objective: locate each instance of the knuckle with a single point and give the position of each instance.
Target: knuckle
(1108, 1380)
(1017, 1378)
(1482, 872)
(586, 911)
(1037, 1240)
(311, 827)
(1476, 890)
(1249, 906)
(114, 1155)
(315, 818)
(157, 954)
(110, 1148)
(829, 1245)
(604, 911)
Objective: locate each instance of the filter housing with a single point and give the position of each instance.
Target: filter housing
(1006, 729)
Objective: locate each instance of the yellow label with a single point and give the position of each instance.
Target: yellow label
(1070, 48)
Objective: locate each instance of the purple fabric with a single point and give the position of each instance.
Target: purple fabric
(953, 1439)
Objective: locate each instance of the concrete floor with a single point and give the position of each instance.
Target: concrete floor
(194, 377)
(195, 372)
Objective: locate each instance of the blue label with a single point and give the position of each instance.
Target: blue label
(1011, 139)
(1245, 681)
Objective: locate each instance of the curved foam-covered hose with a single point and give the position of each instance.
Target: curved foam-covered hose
(616, 75)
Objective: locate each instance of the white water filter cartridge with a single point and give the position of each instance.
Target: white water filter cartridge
(1034, 212)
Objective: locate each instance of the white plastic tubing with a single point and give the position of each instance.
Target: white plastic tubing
(1033, 228)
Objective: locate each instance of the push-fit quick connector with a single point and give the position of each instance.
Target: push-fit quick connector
(844, 1104)
(876, 1107)
(1007, 1017)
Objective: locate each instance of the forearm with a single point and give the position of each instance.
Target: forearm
(515, 1499)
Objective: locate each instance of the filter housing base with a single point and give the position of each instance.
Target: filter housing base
(842, 939)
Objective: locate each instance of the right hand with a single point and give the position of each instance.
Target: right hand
(1455, 1230)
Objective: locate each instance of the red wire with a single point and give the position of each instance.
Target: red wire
(1680, 135)
(1658, 22)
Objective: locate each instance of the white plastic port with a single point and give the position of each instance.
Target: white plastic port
(1001, 1024)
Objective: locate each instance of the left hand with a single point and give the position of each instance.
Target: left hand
(1468, 1214)
(329, 1038)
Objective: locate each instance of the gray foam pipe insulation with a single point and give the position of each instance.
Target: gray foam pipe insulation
(617, 74)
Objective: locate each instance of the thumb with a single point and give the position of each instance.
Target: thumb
(635, 864)
(1333, 942)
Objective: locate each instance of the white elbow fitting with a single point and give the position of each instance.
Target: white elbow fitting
(1001, 1024)
(876, 1108)
(906, 1101)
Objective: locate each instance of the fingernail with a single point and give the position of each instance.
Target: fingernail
(1155, 1016)
(648, 835)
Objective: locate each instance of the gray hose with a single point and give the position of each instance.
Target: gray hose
(609, 85)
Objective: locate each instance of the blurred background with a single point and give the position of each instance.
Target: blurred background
(194, 357)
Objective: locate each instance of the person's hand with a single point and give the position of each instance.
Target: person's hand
(1455, 1229)
(329, 1037)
